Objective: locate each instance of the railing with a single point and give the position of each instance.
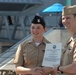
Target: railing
(6, 56)
(7, 72)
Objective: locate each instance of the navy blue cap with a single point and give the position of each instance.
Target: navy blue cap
(38, 20)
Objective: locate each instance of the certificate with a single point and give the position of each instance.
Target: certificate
(52, 55)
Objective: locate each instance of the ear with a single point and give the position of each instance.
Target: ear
(45, 29)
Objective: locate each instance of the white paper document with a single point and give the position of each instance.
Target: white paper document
(52, 55)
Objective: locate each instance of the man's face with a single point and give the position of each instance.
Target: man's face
(69, 21)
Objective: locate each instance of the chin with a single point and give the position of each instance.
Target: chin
(35, 36)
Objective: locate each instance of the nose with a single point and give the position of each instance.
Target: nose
(35, 29)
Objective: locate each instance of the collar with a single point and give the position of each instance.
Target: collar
(43, 41)
(71, 39)
(74, 39)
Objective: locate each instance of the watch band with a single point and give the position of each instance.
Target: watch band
(59, 69)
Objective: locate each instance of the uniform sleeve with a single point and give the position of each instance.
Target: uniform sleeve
(18, 59)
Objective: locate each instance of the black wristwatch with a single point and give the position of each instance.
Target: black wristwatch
(59, 69)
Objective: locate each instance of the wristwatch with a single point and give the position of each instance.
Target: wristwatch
(59, 69)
